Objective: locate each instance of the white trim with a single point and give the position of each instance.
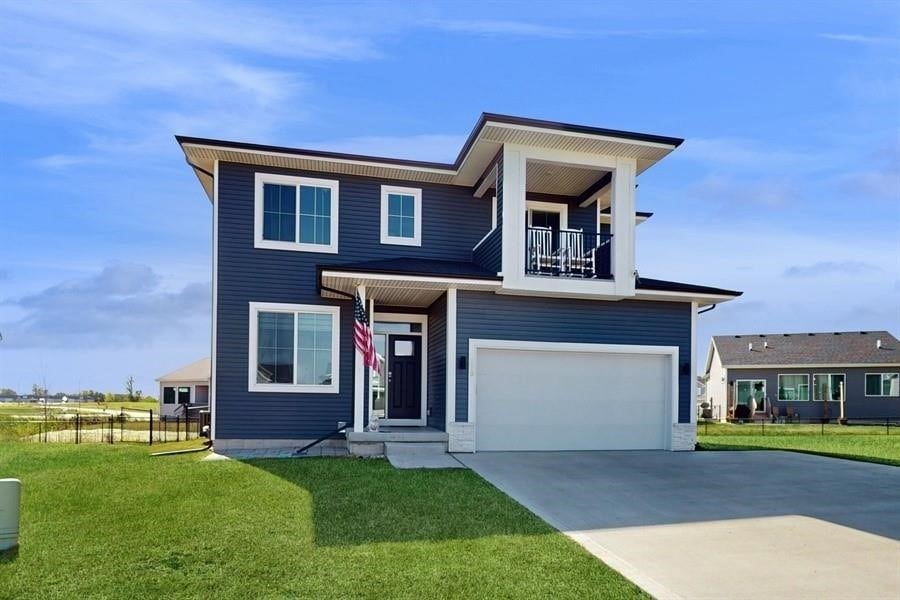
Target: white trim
(215, 302)
(421, 319)
(581, 134)
(778, 377)
(765, 393)
(557, 207)
(294, 388)
(411, 278)
(813, 390)
(866, 387)
(416, 193)
(260, 179)
(326, 159)
(693, 387)
(671, 351)
(450, 376)
(359, 373)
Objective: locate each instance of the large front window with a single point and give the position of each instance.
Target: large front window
(882, 384)
(827, 386)
(296, 213)
(294, 347)
(793, 387)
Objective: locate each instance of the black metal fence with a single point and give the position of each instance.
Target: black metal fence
(796, 426)
(104, 428)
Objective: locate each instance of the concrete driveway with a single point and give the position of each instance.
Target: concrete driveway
(718, 524)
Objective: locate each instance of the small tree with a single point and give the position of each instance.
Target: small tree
(38, 391)
(129, 388)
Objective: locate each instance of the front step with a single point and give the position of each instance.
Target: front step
(420, 455)
(372, 443)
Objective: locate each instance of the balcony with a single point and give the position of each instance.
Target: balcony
(568, 253)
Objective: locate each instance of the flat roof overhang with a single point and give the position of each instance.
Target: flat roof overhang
(397, 289)
(489, 135)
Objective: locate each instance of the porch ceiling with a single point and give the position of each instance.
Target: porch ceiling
(396, 289)
(560, 179)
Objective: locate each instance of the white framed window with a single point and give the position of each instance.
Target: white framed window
(294, 348)
(827, 386)
(882, 384)
(296, 213)
(401, 215)
(793, 387)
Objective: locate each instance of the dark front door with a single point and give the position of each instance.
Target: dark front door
(404, 386)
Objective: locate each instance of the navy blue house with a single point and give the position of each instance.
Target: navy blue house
(501, 289)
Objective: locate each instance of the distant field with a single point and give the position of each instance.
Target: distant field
(22, 409)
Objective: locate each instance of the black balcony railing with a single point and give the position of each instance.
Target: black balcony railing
(567, 253)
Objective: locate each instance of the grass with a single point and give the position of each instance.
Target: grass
(114, 522)
(870, 443)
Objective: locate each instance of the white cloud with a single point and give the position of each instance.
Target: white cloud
(829, 268)
(745, 192)
(866, 40)
(499, 27)
(747, 154)
(123, 304)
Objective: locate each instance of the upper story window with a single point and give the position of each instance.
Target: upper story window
(296, 213)
(401, 216)
(294, 347)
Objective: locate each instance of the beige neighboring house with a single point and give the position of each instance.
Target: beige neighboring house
(186, 385)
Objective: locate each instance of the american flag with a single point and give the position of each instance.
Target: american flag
(362, 334)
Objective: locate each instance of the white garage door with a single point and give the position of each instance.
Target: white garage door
(566, 400)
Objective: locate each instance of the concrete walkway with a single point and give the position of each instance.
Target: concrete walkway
(717, 525)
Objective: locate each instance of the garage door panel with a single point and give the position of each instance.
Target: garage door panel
(562, 400)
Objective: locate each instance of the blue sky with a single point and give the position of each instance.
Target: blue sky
(788, 186)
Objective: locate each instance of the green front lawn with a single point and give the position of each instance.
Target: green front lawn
(876, 444)
(102, 521)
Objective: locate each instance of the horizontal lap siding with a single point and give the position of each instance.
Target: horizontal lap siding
(856, 404)
(437, 363)
(489, 253)
(453, 222)
(483, 315)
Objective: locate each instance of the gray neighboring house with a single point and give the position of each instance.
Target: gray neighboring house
(800, 374)
(501, 288)
(186, 385)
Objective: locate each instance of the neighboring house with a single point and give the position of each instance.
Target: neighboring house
(502, 288)
(802, 374)
(188, 385)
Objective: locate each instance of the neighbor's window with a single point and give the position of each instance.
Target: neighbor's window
(793, 387)
(294, 347)
(401, 216)
(168, 395)
(827, 386)
(882, 384)
(296, 213)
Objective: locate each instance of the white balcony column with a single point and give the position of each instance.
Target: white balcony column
(623, 214)
(450, 392)
(513, 261)
(359, 376)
